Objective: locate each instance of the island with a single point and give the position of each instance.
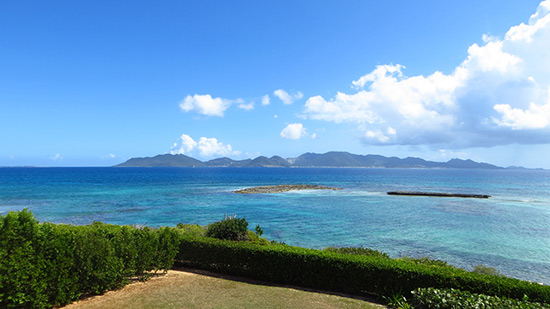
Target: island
(283, 188)
(330, 159)
(438, 194)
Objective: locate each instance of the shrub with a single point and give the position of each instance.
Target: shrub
(427, 261)
(358, 251)
(44, 265)
(486, 270)
(453, 298)
(229, 228)
(191, 229)
(259, 231)
(20, 266)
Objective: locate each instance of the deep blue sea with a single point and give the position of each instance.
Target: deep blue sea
(510, 231)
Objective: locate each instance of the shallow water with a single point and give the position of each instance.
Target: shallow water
(510, 231)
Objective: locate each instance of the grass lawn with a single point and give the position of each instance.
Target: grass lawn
(199, 289)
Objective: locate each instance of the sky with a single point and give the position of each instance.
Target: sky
(94, 83)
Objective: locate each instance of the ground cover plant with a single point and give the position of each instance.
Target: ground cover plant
(452, 298)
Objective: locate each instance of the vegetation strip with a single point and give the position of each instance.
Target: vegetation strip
(44, 264)
(438, 194)
(283, 188)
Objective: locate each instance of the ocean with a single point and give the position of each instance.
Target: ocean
(509, 231)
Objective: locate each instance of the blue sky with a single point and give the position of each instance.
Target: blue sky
(93, 83)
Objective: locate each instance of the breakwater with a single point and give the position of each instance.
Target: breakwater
(438, 194)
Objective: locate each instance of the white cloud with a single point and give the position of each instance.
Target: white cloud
(205, 104)
(500, 94)
(286, 97)
(56, 157)
(293, 131)
(246, 106)
(185, 144)
(266, 100)
(209, 147)
(380, 136)
(205, 147)
(536, 117)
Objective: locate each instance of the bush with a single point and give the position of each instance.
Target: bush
(427, 261)
(229, 228)
(358, 251)
(486, 270)
(191, 229)
(44, 265)
(452, 298)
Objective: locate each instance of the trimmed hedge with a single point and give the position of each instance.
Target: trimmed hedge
(44, 265)
(351, 274)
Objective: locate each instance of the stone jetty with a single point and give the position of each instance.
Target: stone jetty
(283, 188)
(438, 194)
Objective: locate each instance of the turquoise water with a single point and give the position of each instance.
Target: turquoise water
(510, 231)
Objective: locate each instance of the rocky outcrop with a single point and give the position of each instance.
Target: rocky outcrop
(283, 188)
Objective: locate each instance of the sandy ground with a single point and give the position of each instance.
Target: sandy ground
(185, 288)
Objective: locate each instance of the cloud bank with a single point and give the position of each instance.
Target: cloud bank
(205, 147)
(500, 94)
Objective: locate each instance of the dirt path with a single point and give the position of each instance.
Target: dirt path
(198, 289)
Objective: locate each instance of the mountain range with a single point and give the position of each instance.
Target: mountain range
(329, 159)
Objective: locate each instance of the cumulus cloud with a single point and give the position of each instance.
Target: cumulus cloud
(205, 147)
(205, 104)
(185, 144)
(500, 94)
(56, 157)
(286, 97)
(293, 131)
(266, 100)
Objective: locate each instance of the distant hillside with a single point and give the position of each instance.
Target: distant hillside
(166, 160)
(329, 159)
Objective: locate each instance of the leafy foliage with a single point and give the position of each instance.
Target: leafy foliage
(426, 261)
(259, 231)
(229, 228)
(44, 265)
(453, 298)
(358, 251)
(486, 270)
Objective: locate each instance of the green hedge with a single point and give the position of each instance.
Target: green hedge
(44, 265)
(351, 274)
